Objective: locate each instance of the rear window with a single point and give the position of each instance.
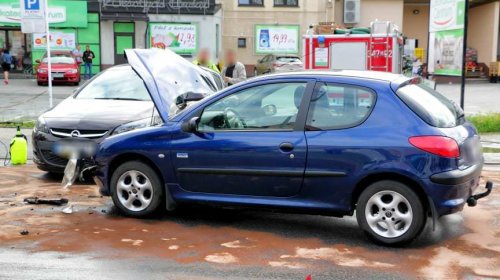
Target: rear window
(431, 106)
(287, 59)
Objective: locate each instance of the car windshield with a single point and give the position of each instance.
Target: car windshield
(120, 83)
(431, 106)
(287, 59)
(61, 59)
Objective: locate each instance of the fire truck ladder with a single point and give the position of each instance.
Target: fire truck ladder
(385, 42)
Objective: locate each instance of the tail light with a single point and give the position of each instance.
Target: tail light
(275, 65)
(438, 145)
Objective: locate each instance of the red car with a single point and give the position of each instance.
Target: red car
(65, 69)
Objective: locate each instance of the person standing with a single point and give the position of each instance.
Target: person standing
(77, 54)
(6, 64)
(88, 55)
(203, 59)
(233, 71)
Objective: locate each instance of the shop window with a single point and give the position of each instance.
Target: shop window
(286, 3)
(242, 43)
(250, 2)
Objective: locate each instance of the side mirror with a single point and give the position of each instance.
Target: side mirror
(38, 61)
(183, 99)
(190, 126)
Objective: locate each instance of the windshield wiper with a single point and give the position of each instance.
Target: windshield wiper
(120, 98)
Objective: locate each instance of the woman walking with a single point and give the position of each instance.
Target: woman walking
(6, 64)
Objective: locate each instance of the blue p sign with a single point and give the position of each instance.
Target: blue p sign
(32, 5)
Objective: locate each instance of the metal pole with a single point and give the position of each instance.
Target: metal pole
(49, 64)
(462, 86)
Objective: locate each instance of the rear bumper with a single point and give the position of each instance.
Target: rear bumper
(457, 176)
(451, 190)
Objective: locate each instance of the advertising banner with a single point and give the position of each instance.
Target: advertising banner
(446, 15)
(60, 13)
(58, 40)
(180, 38)
(276, 39)
(446, 37)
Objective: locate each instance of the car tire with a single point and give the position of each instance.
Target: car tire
(390, 213)
(136, 178)
(39, 83)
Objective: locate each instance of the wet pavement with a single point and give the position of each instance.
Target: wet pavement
(207, 243)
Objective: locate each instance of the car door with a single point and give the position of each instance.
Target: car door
(250, 142)
(338, 143)
(262, 66)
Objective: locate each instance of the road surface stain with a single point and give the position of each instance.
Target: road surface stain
(463, 244)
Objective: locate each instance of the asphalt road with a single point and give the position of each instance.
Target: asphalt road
(208, 243)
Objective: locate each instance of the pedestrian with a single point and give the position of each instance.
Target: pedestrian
(6, 60)
(233, 71)
(88, 55)
(203, 59)
(77, 54)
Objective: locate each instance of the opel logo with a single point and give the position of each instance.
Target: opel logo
(75, 133)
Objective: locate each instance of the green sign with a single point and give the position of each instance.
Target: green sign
(61, 13)
(446, 15)
(448, 47)
(275, 39)
(180, 38)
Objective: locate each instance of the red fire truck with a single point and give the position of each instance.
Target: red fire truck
(380, 49)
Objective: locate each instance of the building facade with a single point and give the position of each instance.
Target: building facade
(184, 26)
(255, 28)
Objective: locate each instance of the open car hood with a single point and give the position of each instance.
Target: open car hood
(168, 75)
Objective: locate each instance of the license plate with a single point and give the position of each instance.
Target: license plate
(58, 75)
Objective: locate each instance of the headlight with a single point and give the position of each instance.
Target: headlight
(42, 70)
(134, 125)
(41, 126)
(72, 71)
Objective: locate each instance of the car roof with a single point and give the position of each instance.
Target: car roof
(394, 80)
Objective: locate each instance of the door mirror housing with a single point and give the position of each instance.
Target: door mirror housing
(183, 99)
(190, 126)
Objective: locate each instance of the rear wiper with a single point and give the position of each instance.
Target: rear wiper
(120, 98)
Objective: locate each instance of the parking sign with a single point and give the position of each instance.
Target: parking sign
(32, 16)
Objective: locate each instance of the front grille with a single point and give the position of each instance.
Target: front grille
(53, 158)
(85, 133)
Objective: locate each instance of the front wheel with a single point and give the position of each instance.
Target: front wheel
(390, 213)
(136, 189)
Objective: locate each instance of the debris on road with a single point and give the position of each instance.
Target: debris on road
(24, 232)
(36, 200)
(68, 210)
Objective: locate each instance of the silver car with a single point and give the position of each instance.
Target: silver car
(278, 64)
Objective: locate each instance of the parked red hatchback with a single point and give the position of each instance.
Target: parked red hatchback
(65, 69)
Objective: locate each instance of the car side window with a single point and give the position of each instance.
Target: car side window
(337, 106)
(265, 107)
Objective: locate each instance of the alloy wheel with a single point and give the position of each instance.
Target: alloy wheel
(134, 190)
(388, 214)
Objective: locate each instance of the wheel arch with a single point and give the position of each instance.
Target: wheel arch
(134, 156)
(411, 183)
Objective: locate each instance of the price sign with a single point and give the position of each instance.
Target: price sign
(276, 39)
(180, 38)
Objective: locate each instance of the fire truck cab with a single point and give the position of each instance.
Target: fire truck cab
(380, 49)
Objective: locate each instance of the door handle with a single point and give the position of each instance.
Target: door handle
(286, 147)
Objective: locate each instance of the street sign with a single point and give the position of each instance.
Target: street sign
(32, 16)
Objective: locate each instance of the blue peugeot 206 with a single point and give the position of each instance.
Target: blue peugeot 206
(326, 143)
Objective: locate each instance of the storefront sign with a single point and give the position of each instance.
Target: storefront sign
(58, 40)
(60, 14)
(446, 36)
(320, 57)
(146, 6)
(446, 15)
(181, 38)
(276, 39)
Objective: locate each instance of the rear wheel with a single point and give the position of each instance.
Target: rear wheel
(136, 189)
(390, 213)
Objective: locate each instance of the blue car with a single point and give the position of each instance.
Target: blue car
(325, 143)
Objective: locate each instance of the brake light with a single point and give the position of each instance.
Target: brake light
(438, 145)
